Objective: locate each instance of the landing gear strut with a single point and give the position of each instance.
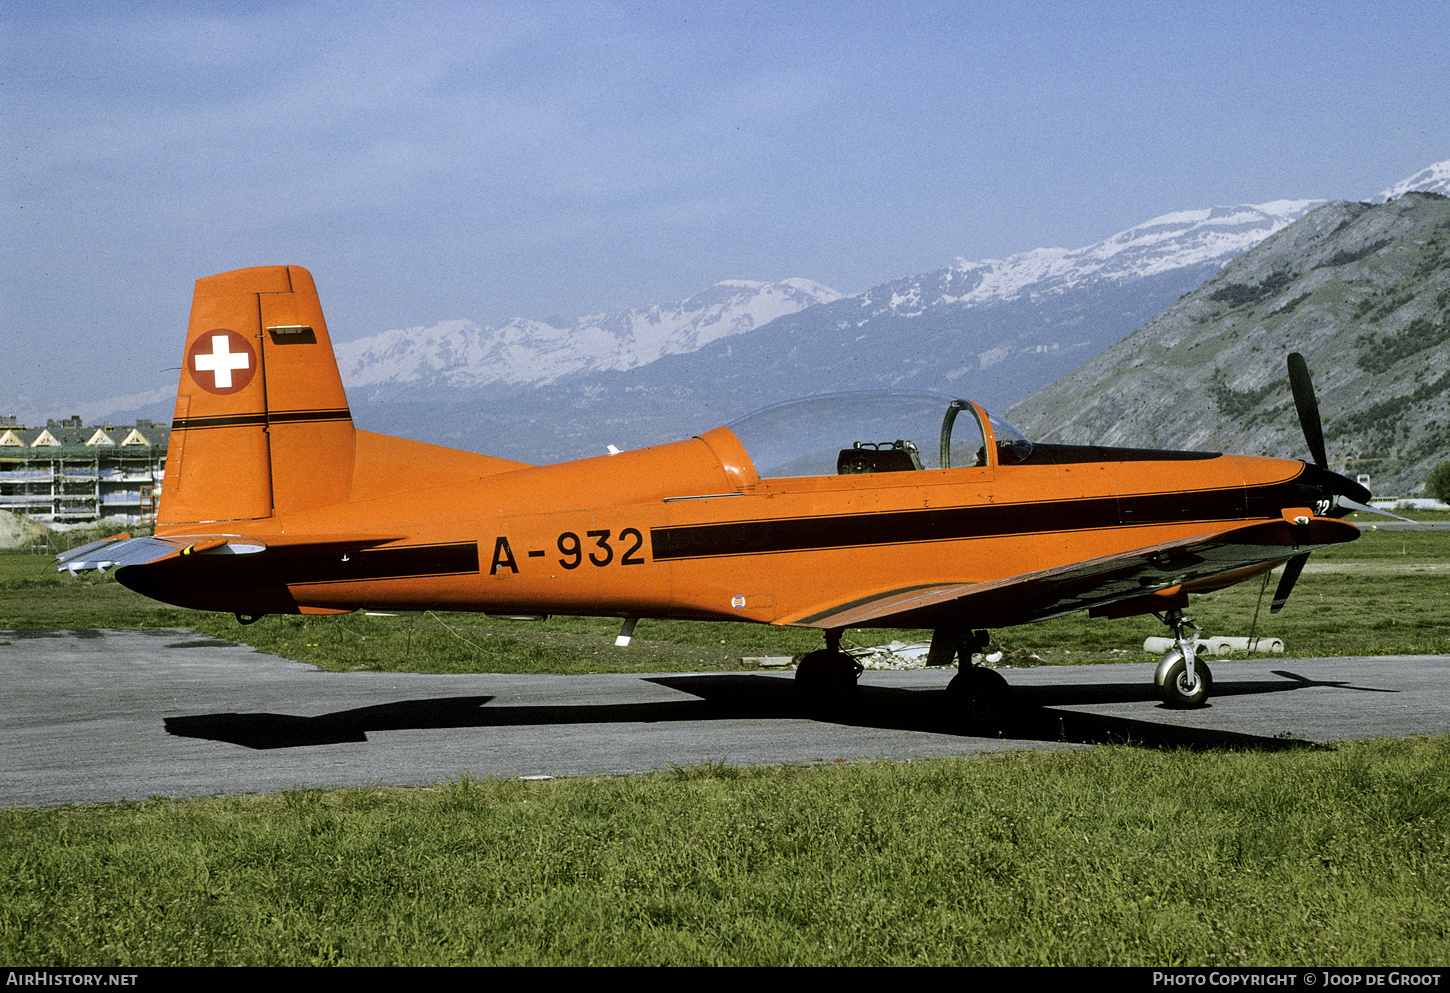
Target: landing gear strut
(1182, 678)
(977, 693)
(827, 678)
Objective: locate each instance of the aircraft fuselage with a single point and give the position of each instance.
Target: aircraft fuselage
(687, 530)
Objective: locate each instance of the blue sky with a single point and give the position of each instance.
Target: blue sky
(487, 160)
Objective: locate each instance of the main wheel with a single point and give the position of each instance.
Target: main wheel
(1179, 691)
(979, 695)
(827, 679)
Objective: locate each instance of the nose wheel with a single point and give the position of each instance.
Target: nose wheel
(1183, 680)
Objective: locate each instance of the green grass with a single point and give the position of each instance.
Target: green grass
(1114, 856)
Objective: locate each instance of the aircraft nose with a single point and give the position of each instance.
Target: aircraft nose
(1339, 493)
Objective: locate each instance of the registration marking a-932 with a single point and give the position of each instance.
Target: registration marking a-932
(599, 548)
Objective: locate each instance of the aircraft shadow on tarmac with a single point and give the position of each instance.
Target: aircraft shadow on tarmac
(736, 696)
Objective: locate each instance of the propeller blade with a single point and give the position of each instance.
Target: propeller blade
(1287, 581)
(1308, 408)
(1364, 508)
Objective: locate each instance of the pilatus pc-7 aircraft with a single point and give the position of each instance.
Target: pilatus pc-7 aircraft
(897, 509)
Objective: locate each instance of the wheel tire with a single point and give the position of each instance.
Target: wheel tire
(826, 679)
(980, 696)
(1178, 692)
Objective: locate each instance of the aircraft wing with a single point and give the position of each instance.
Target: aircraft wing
(1079, 586)
(123, 550)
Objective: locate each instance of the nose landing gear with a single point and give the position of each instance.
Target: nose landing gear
(1183, 680)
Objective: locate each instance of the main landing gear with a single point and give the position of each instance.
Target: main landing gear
(1182, 678)
(826, 679)
(976, 693)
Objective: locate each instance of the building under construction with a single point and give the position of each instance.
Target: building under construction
(66, 473)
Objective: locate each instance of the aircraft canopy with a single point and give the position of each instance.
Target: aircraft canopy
(891, 431)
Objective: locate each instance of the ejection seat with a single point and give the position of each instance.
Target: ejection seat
(884, 456)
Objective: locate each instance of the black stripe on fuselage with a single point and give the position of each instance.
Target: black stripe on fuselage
(266, 417)
(379, 563)
(987, 521)
(306, 564)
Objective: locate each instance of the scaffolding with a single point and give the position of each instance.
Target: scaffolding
(75, 484)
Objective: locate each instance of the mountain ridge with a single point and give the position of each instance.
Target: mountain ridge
(459, 356)
(993, 329)
(1361, 289)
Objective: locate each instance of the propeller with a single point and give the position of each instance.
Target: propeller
(1302, 386)
(1287, 581)
(1342, 494)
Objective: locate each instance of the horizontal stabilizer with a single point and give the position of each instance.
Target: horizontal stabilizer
(124, 550)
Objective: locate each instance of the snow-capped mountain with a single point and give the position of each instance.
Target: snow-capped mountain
(1435, 179)
(992, 330)
(1361, 290)
(1048, 302)
(454, 359)
(459, 355)
(1164, 244)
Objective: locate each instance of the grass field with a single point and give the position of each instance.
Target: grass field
(1327, 855)
(1112, 856)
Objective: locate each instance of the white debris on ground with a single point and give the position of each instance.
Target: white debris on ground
(898, 655)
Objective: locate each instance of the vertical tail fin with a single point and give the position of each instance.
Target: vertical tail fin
(262, 425)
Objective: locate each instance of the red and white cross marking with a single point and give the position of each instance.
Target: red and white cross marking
(229, 353)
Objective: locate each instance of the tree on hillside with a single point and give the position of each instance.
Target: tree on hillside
(1437, 484)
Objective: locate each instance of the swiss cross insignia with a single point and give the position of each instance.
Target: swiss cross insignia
(221, 361)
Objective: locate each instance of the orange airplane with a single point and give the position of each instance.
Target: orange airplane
(895, 509)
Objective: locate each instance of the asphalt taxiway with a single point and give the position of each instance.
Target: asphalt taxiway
(92, 716)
